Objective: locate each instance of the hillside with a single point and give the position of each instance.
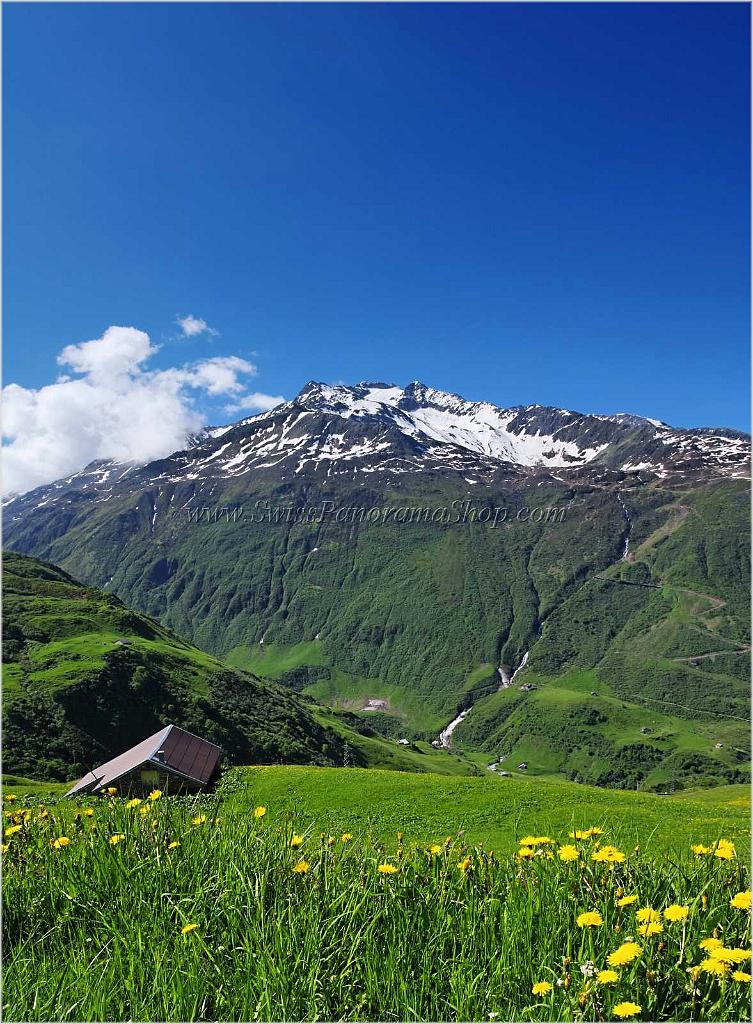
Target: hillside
(625, 684)
(84, 677)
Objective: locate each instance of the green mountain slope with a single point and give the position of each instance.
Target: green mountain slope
(84, 677)
(423, 615)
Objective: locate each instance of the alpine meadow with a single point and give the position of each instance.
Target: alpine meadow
(376, 619)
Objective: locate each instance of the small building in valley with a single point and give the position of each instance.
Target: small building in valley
(172, 760)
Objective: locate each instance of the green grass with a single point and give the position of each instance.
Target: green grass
(93, 931)
(495, 811)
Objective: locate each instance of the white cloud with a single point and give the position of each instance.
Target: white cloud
(114, 409)
(256, 401)
(192, 325)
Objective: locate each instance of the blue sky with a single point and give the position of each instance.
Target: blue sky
(521, 203)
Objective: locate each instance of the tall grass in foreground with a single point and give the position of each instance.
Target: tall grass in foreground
(160, 911)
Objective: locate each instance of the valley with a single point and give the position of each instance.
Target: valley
(605, 645)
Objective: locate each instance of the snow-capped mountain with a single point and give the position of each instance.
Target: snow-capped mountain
(375, 430)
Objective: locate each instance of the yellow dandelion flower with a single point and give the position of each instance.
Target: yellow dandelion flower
(741, 901)
(188, 928)
(730, 956)
(464, 864)
(647, 914)
(651, 928)
(60, 841)
(624, 954)
(88, 812)
(568, 852)
(713, 965)
(133, 803)
(581, 833)
(296, 841)
(596, 830)
(525, 853)
(143, 811)
(609, 854)
(387, 869)
(199, 819)
(346, 837)
(12, 829)
(627, 901)
(676, 912)
(173, 845)
(626, 1009)
(300, 868)
(11, 798)
(607, 977)
(589, 919)
(331, 840)
(741, 976)
(700, 850)
(3, 847)
(541, 988)
(155, 794)
(260, 811)
(118, 837)
(112, 790)
(435, 849)
(710, 943)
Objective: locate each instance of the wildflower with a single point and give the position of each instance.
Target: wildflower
(647, 914)
(155, 794)
(199, 819)
(188, 928)
(133, 803)
(607, 977)
(3, 847)
(580, 834)
(624, 954)
(300, 868)
(143, 811)
(741, 901)
(710, 943)
(435, 849)
(609, 854)
(525, 853)
(651, 928)
(60, 841)
(626, 901)
(463, 865)
(12, 829)
(675, 912)
(296, 841)
(331, 840)
(712, 965)
(88, 812)
(568, 852)
(596, 830)
(541, 988)
(118, 837)
(535, 841)
(387, 869)
(700, 850)
(112, 790)
(259, 812)
(173, 845)
(590, 919)
(742, 976)
(730, 956)
(627, 1009)
(725, 850)
(347, 836)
